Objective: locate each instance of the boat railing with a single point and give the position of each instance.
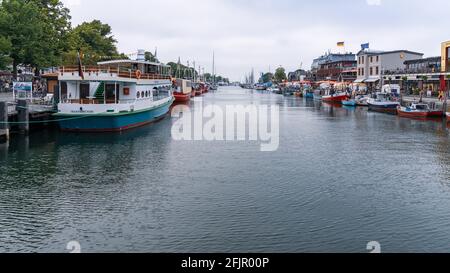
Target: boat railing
(119, 71)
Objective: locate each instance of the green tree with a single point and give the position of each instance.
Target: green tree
(265, 78)
(182, 71)
(150, 57)
(5, 47)
(21, 22)
(96, 42)
(280, 74)
(56, 20)
(36, 31)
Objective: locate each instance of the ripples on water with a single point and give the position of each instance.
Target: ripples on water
(341, 178)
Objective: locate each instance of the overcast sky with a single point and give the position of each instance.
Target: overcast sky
(263, 33)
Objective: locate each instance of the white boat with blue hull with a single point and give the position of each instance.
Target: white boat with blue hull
(113, 96)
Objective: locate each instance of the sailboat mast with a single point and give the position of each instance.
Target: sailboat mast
(214, 68)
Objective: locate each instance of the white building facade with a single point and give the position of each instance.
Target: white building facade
(372, 64)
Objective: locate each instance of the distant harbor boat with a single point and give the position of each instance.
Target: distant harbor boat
(113, 96)
(382, 103)
(335, 98)
(183, 90)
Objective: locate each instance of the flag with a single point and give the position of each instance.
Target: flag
(341, 44)
(365, 46)
(80, 66)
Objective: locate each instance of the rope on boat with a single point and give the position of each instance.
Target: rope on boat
(42, 121)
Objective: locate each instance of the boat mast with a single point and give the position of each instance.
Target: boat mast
(214, 69)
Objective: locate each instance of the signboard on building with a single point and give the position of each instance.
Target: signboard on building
(23, 90)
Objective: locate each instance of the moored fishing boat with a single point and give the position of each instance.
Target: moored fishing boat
(317, 95)
(113, 96)
(197, 89)
(335, 98)
(351, 103)
(416, 110)
(183, 90)
(362, 100)
(204, 87)
(382, 103)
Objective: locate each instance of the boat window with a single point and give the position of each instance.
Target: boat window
(146, 94)
(138, 94)
(142, 94)
(421, 107)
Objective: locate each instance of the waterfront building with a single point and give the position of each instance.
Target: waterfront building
(427, 65)
(337, 71)
(328, 58)
(430, 74)
(298, 75)
(372, 64)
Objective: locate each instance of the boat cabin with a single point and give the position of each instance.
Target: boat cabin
(419, 107)
(114, 82)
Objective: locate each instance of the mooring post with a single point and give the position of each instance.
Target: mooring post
(23, 116)
(4, 126)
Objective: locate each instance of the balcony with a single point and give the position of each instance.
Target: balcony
(112, 71)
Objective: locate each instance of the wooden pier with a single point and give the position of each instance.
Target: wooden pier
(16, 117)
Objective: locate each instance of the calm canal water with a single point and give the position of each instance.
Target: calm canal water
(340, 178)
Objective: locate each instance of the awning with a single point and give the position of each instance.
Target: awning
(359, 81)
(371, 80)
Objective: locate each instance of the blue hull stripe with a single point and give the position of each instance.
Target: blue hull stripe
(114, 122)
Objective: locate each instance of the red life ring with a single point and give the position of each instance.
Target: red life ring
(138, 74)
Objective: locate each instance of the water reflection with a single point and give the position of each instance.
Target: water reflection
(342, 177)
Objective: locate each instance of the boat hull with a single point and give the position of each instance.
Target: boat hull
(338, 98)
(384, 108)
(113, 122)
(198, 93)
(448, 117)
(436, 114)
(351, 103)
(309, 95)
(182, 97)
(412, 114)
(403, 112)
(317, 97)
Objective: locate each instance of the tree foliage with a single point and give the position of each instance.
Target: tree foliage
(181, 71)
(35, 30)
(280, 75)
(151, 57)
(95, 41)
(5, 47)
(266, 78)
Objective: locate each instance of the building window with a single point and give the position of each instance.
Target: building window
(378, 59)
(377, 71)
(371, 59)
(363, 72)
